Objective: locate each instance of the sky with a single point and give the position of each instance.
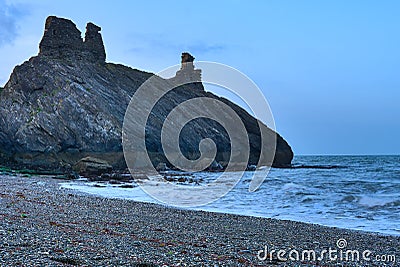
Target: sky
(329, 69)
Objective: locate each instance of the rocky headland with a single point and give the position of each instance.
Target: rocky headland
(68, 103)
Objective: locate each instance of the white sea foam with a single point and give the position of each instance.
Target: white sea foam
(353, 197)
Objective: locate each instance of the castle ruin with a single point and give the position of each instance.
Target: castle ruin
(62, 40)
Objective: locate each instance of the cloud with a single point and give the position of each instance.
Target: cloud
(9, 16)
(157, 42)
(205, 48)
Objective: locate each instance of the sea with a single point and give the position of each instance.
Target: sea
(351, 192)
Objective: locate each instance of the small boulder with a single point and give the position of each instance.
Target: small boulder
(162, 167)
(73, 175)
(215, 166)
(91, 166)
(181, 179)
(251, 168)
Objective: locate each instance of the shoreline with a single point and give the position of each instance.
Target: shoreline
(44, 224)
(65, 184)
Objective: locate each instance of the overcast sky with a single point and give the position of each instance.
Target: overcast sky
(329, 69)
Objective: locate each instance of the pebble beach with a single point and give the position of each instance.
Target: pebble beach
(45, 225)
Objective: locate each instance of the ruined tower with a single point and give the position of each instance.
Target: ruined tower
(188, 73)
(62, 40)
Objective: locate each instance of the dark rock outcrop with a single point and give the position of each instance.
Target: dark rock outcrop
(90, 166)
(67, 103)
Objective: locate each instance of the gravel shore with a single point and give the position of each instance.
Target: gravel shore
(43, 225)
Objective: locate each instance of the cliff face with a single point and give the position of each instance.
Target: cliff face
(67, 103)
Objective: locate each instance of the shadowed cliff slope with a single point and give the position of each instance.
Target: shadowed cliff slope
(67, 103)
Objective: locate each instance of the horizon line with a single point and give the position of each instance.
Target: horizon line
(347, 154)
